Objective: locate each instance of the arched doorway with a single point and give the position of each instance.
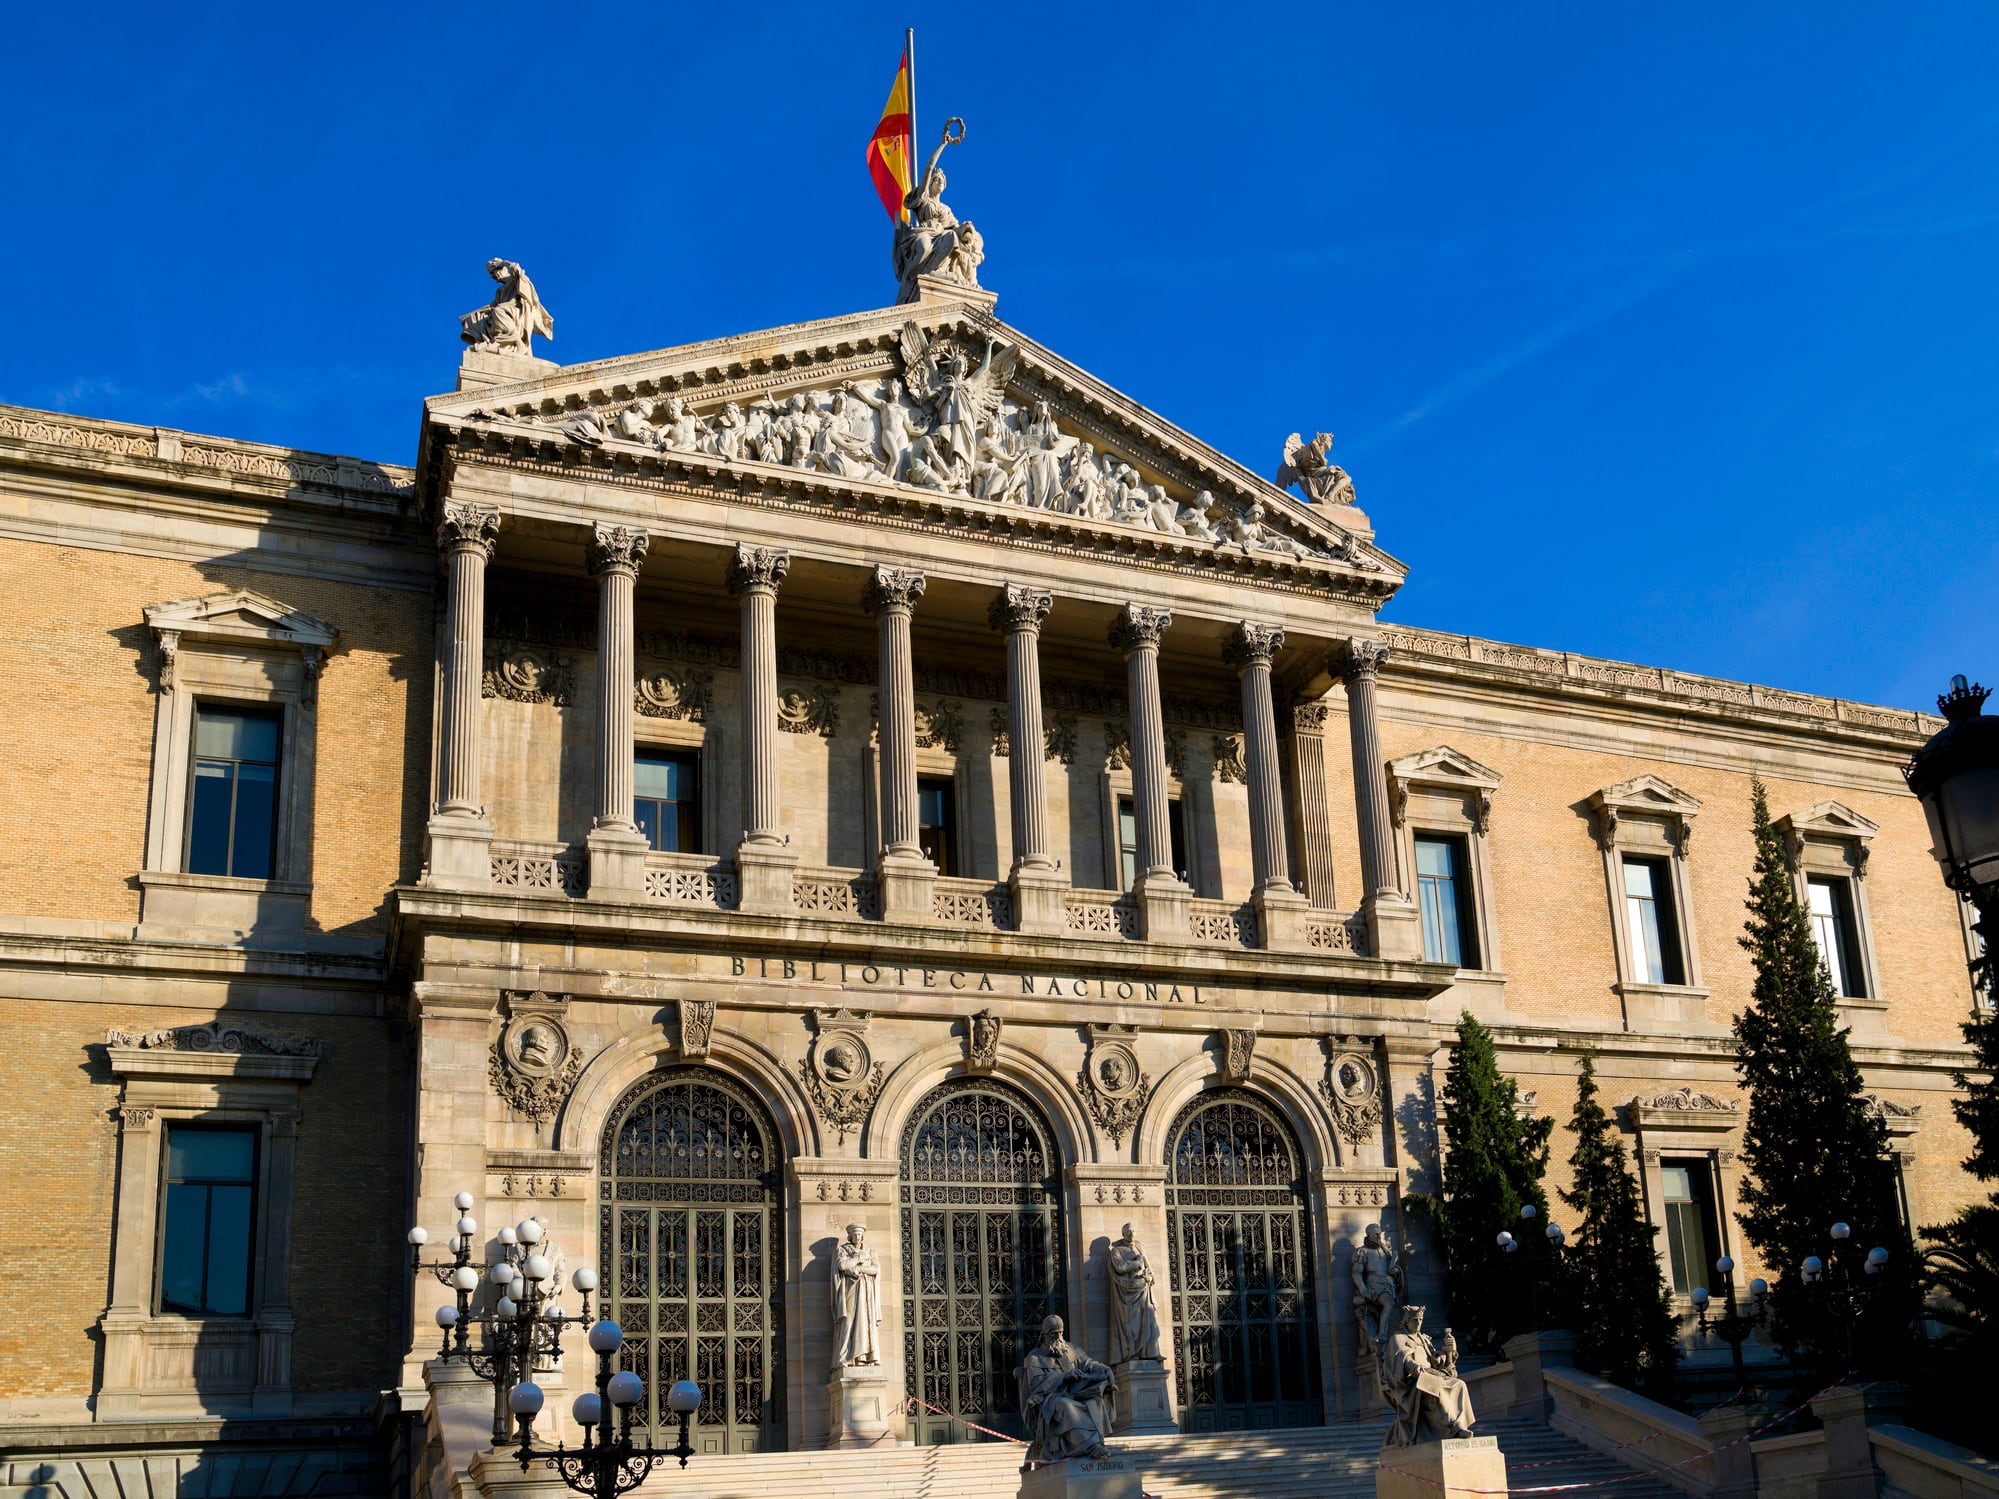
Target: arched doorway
(982, 1252)
(1245, 1351)
(690, 1224)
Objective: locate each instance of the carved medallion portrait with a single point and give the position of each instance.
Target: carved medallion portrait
(1352, 1089)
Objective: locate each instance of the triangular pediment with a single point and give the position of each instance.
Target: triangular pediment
(1828, 820)
(242, 616)
(938, 404)
(1443, 766)
(1647, 793)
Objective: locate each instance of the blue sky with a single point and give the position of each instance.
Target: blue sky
(1669, 335)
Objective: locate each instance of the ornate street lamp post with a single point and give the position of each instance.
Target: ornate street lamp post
(1732, 1326)
(524, 1326)
(1956, 776)
(1530, 1263)
(1834, 1288)
(605, 1465)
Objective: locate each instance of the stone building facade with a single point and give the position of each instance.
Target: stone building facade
(702, 834)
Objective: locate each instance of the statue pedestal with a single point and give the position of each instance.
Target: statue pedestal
(476, 371)
(1143, 1409)
(857, 1407)
(1083, 1478)
(1457, 1468)
(1367, 1378)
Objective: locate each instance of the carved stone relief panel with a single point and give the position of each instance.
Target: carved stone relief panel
(527, 673)
(940, 724)
(697, 1026)
(1238, 1053)
(675, 692)
(534, 1063)
(982, 1038)
(1229, 759)
(1112, 1085)
(812, 711)
(840, 1074)
(1352, 1089)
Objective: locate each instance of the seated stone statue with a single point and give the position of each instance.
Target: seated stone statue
(1067, 1399)
(1421, 1385)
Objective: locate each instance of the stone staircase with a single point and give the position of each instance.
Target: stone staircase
(1325, 1462)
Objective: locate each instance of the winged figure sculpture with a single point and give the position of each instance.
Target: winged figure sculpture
(957, 398)
(1305, 465)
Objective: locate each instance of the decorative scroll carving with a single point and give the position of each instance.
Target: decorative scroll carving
(507, 324)
(1058, 736)
(1688, 1101)
(1891, 1113)
(982, 1039)
(1112, 1085)
(1357, 658)
(1229, 764)
(619, 547)
(1352, 1090)
(534, 1064)
(940, 724)
(686, 692)
(1175, 750)
(132, 1117)
(757, 567)
(1250, 645)
(215, 1036)
(814, 712)
(1117, 744)
(1137, 626)
(1238, 1053)
(840, 1074)
(1018, 608)
(892, 588)
(697, 1026)
(527, 674)
(468, 526)
(1310, 717)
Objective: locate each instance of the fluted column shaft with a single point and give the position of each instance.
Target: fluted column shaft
(615, 555)
(754, 577)
(891, 596)
(465, 535)
(1249, 650)
(1136, 632)
(1019, 612)
(1359, 665)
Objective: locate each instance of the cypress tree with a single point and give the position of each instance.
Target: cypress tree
(1811, 1153)
(1495, 1165)
(1623, 1314)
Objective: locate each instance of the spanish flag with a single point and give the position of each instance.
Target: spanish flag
(889, 150)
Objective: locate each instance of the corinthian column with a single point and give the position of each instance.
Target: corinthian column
(1279, 907)
(763, 861)
(1391, 915)
(1162, 898)
(906, 876)
(461, 839)
(1037, 887)
(617, 848)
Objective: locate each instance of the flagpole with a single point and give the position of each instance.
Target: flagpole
(909, 52)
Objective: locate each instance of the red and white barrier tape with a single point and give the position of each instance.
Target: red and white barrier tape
(909, 1409)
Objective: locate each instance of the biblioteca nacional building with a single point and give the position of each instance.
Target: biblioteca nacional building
(864, 772)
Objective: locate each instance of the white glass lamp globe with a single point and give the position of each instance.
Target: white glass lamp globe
(1700, 1296)
(684, 1398)
(524, 1399)
(553, 1313)
(457, 1243)
(502, 1274)
(537, 1268)
(1555, 1233)
(528, 1231)
(419, 1236)
(468, 1225)
(1877, 1257)
(626, 1388)
(1759, 1288)
(463, 1202)
(606, 1337)
(447, 1316)
(1527, 1210)
(1812, 1268)
(1725, 1265)
(505, 1308)
(507, 1236)
(585, 1279)
(1841, 1232)
(1505, 1239)
(588, 1409)
(464, 1278)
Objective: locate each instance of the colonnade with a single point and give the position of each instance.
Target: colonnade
(461, 836)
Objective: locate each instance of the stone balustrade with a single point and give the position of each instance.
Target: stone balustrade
(691, 880)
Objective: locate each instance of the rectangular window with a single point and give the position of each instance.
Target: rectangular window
(1127, 837)
(1688, 1189)
(1654, 931)
(937, 822)
(206, 1230)
(1444, 895)
(667, 800)
(1837, 932)
(232, 812)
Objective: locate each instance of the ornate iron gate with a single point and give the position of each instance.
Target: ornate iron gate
(981, 1253)
(690, 1229)
(1245, 1352)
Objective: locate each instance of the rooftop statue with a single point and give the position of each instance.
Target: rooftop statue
(1305, 465)
(508, 323)
(933, 242)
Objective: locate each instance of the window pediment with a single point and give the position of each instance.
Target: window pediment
(1441, 769)
(242, 618)
(1646, 797)
(1827, 822)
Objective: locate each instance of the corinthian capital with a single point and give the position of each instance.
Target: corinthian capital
(1137, 625)
(1250, 645)
(892, 588)
(1357, 658)
(462, 525)
(616, 547)
(1018, 608)
(757, 567)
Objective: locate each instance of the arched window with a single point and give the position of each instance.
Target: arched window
(1245, 1353)
(690, 1229)
(981, 1252)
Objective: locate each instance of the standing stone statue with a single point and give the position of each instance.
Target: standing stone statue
(933, 242)
(1067, 1399)
(1134, 1321)
(508, 323)
(1421, 1385)
(857, 1301)
(1374, 1270)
